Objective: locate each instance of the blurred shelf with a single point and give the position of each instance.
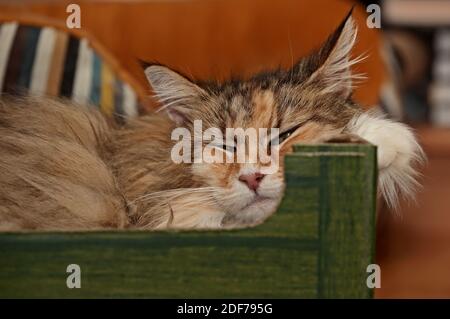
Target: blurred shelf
(434, 140)
(413, 248)
(426, 13)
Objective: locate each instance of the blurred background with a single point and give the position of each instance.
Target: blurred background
(408, 69)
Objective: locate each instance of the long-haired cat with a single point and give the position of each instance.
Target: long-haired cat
(64, 167)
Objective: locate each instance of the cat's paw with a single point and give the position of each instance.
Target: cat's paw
(398, 154)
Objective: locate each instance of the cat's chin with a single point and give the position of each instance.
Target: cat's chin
(253, 213)
(257, 203)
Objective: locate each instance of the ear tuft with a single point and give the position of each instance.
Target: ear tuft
(334, 70)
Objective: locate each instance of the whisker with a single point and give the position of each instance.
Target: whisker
(176, 192)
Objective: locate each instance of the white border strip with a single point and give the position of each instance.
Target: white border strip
(42, 61)
(83, 76)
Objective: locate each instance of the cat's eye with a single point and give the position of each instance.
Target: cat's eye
(284, 136)
(225, 147)
(229, 148)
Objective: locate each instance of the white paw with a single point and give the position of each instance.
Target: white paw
(398, 153)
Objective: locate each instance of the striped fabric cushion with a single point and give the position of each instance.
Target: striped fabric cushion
(48, 61)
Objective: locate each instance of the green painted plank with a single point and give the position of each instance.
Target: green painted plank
(347, 219)
(158, 265)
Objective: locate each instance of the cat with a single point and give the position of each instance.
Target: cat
(66, 167)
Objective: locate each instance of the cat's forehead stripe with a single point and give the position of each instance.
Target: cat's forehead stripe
(263, 104)
(237, 112)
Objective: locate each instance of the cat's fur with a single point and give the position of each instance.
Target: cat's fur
(65, 167)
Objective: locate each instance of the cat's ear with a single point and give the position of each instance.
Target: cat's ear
(331, 65)
(176, 93)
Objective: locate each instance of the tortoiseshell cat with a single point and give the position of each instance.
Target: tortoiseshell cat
(63, 167)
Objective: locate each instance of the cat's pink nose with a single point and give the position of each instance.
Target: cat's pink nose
(252, 180)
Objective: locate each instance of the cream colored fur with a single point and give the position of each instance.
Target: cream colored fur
(398, 154)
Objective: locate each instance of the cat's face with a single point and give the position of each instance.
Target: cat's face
(307, 104)
(249, 192)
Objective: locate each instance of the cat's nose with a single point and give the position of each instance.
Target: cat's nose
(252, 180)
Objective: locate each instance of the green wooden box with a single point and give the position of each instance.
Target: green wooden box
(318, 245)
